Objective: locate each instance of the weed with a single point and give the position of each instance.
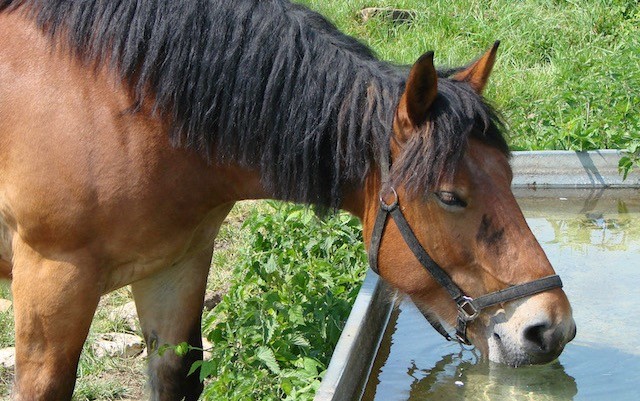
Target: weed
(274, 331)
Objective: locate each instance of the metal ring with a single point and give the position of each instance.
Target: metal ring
(389, 206)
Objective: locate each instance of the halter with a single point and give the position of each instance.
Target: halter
(468, 308)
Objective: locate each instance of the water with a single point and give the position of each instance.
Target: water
(594, 244)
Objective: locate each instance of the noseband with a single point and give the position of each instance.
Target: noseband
(468, 308)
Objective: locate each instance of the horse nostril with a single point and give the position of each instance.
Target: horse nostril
(535, 335)
(544, 341)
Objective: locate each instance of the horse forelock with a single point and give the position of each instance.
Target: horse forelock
(267, 84)
(434, 151)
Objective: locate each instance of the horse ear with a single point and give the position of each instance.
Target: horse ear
(477, 74)
(420, 91)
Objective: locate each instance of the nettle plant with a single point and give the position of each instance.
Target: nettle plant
(274, 331)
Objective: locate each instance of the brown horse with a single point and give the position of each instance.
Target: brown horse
(129, 128)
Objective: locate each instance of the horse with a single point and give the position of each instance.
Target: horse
(129, 128)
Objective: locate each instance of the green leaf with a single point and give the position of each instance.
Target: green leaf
(299, 340)
(194, 367)
(311, 365)
(296, 315)
(267, 356)
(286, 386)
(271, 265)
(216, 335)
(624, 166)
(208, 368)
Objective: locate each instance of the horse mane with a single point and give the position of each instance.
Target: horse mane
(268, 84)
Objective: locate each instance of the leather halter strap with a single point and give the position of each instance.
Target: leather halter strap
(468, 308)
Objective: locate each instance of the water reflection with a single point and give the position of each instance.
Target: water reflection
(607, 224)
(414, 364)
(458, 377)
(428, 369)
(595, 230)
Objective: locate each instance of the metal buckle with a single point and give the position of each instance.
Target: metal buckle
(461, 332)
(467, 310)
(387, 207)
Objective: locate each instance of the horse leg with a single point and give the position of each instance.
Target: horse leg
(54, 302)
(169, 306)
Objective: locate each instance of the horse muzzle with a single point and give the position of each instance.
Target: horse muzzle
(531, 331)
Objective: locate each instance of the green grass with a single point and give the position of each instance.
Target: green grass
(109, 378)
(6, 318)
(567, 74)
(6, 339)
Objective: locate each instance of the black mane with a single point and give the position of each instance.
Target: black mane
(268, 84)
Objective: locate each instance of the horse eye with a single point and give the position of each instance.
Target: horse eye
(450, 199)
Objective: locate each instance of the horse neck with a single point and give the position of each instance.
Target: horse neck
(354, 202)
(245, 184)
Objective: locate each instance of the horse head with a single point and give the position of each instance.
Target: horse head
(446, 188)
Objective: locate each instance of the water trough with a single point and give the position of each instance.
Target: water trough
(537, 174)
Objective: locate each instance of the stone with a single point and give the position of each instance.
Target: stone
(126, 315)
(393, 14)
(206, 346)
(122, 345)
(5, 305)
(8, 357)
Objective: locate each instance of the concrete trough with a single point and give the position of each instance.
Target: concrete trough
(570, 170)
(539, 174)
